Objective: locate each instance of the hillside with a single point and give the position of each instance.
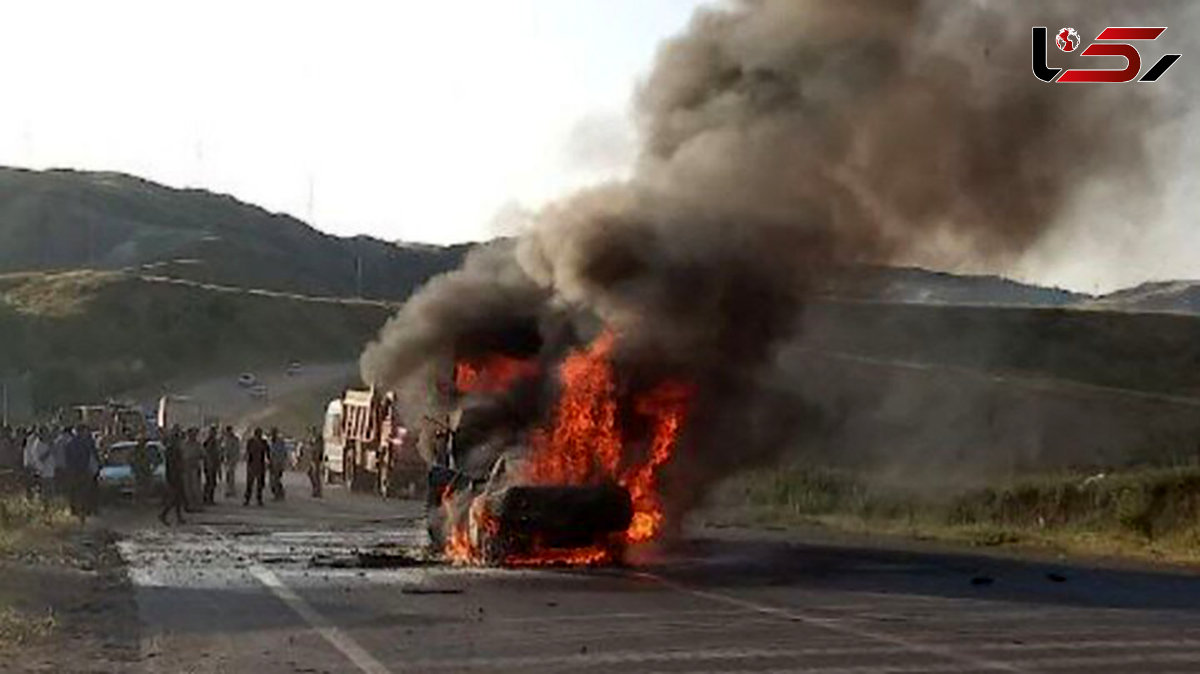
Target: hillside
(62, 220)
(1161, 296)
(85, 335)
(911, 285)
(1150, 352)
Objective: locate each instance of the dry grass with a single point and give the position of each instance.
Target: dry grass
(1150, 514)
(32, 532)
(19, 629)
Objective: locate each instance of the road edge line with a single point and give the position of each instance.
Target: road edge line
(344, 643)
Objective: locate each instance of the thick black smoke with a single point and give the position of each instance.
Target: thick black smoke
(782, 142)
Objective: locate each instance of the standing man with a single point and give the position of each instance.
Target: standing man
(176, 494)
(82, 466)
(315, 453)
(231, 451)
(49, 461)
(212, 465)
(256, 466)
(10, 450)
(279, 459)
(35, 449)
(193, 461)
(143, 469)
(58, 455)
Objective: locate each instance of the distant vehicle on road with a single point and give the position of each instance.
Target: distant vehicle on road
(246, 380)
(294, 368)
(258, 391)
(182, 410)
(116, 472)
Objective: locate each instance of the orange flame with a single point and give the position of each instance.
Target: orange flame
(584, 446)
(590, 556)
(667, 405)
(458, 546)
(492, 374)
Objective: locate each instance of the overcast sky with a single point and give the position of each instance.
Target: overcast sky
(418, 121)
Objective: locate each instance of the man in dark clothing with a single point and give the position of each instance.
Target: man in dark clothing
(231, 453)
(82, 466)
(143, 469)
(212, 465)
(176, 490)
(256, 466)
(277, 462)
(315, 450)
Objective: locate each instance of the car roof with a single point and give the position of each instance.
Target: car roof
(126, 444)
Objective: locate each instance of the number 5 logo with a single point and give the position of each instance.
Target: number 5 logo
(1133, 59)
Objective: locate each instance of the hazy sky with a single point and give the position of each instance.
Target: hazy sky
(420, 121)
(410, 120)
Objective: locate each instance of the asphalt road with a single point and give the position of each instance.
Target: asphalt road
(237, 590)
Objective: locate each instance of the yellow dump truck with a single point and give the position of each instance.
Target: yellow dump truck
(367, 445)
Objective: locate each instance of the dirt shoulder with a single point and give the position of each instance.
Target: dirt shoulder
(66, 604)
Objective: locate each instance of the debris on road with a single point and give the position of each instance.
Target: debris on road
(379, 558)
(431, 590)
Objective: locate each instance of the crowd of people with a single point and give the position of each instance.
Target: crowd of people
(54, 464)
(194, 467)
(66, 464)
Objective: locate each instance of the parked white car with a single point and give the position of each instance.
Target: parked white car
(116, 472)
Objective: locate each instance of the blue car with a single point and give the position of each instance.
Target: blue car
(116, 473)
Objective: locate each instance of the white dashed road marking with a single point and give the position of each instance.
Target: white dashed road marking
(344, 643)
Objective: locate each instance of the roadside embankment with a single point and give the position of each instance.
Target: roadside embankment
(1144, 513)
(65, 602)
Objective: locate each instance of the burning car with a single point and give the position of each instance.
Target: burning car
(574, 487)
(510, 523)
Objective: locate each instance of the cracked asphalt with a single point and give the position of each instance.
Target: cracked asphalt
(237, 590)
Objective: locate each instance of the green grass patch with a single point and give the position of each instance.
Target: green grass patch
(1148, 513)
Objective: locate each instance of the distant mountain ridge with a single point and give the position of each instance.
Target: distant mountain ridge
(1156, 296)
(912, 285)
(65, 219)
(61, 220)
(908, 285)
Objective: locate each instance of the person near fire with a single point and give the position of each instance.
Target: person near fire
(83, 464)
(143, 468)
(314, 451)
(175, 496)
(193, 461)
(212, 464)
(256, 466)
(278, 464)
(231, 452)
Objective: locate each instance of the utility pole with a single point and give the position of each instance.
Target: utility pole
(358, 284)
(4, 394)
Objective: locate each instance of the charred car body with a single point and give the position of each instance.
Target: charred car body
(481, 508)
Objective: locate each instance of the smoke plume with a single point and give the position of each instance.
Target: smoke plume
(784, 142)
